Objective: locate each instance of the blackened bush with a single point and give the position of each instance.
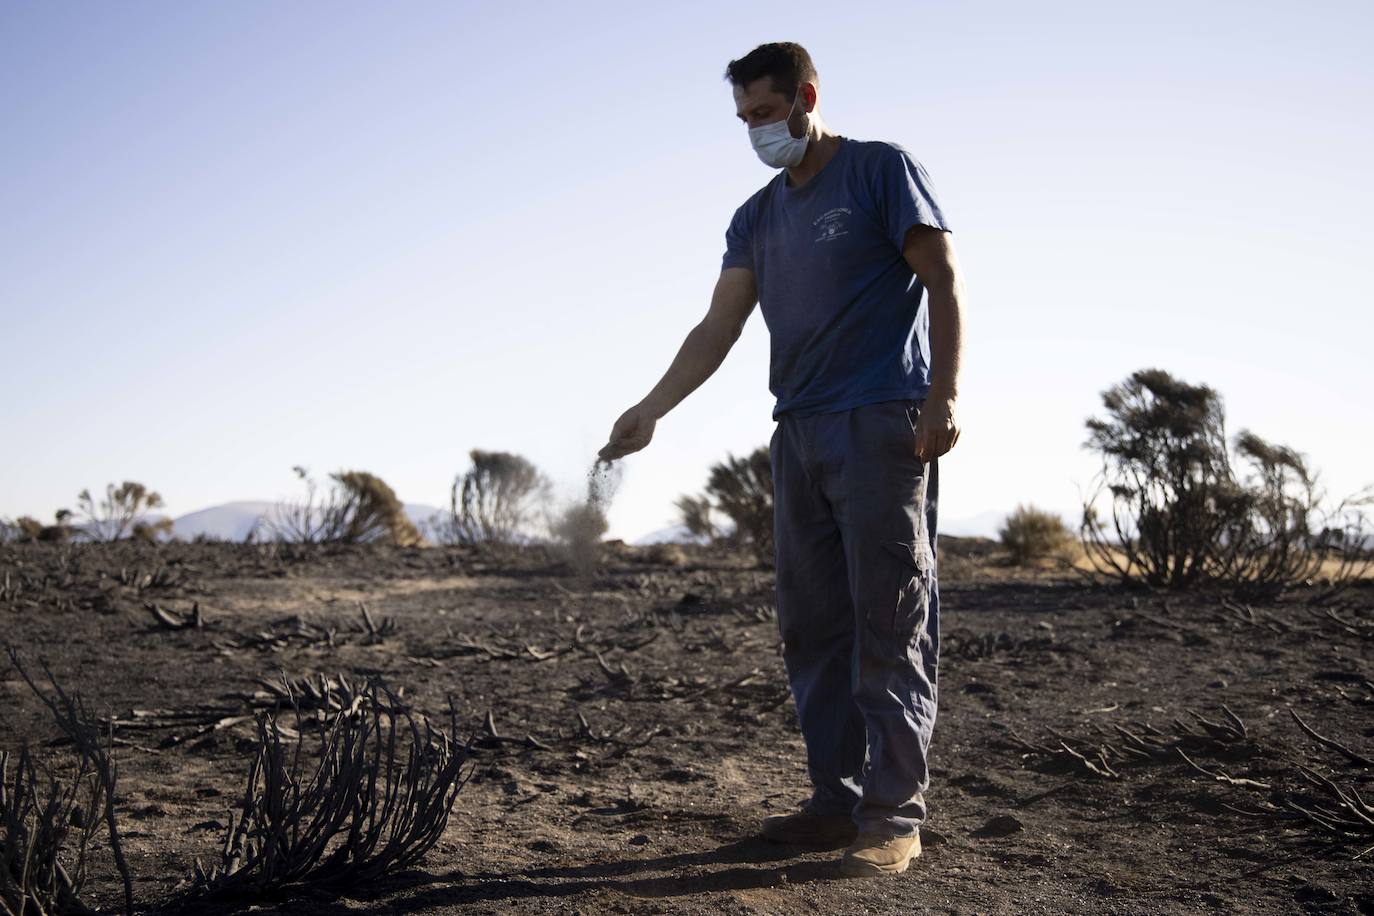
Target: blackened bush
(29, 530)
(36, 866)
(1287, 534)
(371, 800)
(372, 512)
(496, 501)
(152, 532)
(1031, 534)
(1167, 478)
(695, 515)
(358, 507)
(1180, 516)
(45, 829)
(114, 516)
(741, 488)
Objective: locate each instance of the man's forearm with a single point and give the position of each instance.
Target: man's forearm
(946, 337)
(700, 355)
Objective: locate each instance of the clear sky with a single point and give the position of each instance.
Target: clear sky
(235, 237)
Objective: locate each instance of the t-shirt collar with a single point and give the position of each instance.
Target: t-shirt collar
(827, 168)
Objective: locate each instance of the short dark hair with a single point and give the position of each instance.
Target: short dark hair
(785, 61)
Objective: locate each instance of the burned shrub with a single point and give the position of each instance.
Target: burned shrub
(1031, 534)
(29, 530)
(45, 829)
(1165, 471)
(301, 522)
(113, 517)
(358, 507)
(1180, 516)
(1286, 534)
(741, 488)
(695, 514)
(375, 799)
(152, 532)
(38, 822)
(493, 502)
(371, 511)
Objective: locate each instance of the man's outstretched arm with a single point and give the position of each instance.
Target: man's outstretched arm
(700, 355)
(930, 253)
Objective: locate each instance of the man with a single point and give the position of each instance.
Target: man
(837, 249)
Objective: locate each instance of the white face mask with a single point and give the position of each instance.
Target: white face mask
(775, 144)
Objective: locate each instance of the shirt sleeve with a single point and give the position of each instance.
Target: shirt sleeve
(906, 196)
(739, 245)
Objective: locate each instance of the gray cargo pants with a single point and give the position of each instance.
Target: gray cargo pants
(858, 606)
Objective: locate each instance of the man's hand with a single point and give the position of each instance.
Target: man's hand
(631, 433)
(936, 428)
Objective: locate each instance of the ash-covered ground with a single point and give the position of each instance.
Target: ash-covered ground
(1097, 749)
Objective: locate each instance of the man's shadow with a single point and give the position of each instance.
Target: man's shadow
(564, 881)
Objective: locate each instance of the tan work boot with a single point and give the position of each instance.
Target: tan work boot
(806, 829)
(879, 854)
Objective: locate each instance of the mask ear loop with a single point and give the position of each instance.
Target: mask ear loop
(789, 116)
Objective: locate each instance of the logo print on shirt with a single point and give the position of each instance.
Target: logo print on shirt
(831, 224)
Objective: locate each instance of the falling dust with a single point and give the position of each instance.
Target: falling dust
(581, 526)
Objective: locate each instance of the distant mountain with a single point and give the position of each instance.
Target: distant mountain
(229, 522)
(233, 521)
(675, 534)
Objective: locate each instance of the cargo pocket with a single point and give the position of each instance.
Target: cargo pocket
(911, 604)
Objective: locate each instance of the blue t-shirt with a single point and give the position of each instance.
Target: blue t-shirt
(842, 306)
